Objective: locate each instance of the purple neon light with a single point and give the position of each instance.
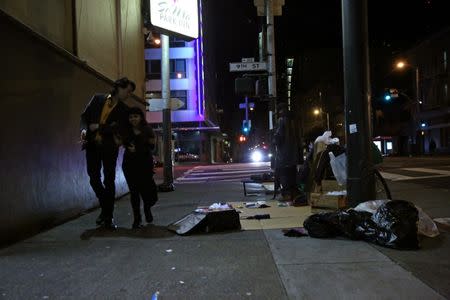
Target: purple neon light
(199, 54)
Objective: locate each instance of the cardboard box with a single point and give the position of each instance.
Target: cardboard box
(328, 201)
(331, 185)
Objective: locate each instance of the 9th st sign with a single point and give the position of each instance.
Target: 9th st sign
(243, 67)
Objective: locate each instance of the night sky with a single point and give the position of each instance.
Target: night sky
(394, 26)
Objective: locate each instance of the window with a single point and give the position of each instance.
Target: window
(389, 145)
(177, 68)
(289, 71)
(176, 42)
(290, 62)
(182, 95)
(153, 69)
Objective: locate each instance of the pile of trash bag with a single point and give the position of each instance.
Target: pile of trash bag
(393, 225)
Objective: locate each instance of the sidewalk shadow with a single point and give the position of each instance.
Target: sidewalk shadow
(148, 232)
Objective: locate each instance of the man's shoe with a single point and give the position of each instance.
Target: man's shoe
(100, 220)
(110, 225)
(300, 200)
(148, 216)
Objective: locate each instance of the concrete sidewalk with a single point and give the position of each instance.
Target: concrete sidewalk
(78, 261)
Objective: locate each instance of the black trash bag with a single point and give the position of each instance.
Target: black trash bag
(393, 225)
(397, 225)
(323, 225)
(355, 224)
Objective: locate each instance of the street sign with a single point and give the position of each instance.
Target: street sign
(176, 17)
(158, 104)
(248, 59)
(242, 67)
(250, 105)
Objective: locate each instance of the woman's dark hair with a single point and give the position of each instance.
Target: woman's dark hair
(123, 82)
(138, 111)
(143, 125)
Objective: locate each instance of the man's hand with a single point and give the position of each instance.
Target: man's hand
(93, 127)
(83, 135)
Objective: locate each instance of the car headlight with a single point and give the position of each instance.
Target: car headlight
(256, 156)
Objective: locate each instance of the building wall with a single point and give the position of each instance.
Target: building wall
(133, 44)
(50, 18)
(43, 177)
(97, 40)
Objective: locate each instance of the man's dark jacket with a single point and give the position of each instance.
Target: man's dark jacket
(115, 123)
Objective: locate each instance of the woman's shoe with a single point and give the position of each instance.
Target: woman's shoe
(149, 216)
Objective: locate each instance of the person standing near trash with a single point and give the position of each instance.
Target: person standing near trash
(286, 157)
(138, 167)
(104, 118)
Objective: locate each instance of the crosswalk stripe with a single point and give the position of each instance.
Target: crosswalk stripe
(222, 173)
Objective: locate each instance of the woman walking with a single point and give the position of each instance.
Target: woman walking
(138, 167)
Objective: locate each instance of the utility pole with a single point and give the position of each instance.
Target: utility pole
(272, 78)
(360, 176)
(167, 122)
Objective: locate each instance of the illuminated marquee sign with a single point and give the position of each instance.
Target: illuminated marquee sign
(178, 17)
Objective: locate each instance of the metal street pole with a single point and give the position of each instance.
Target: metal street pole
(167, 122)
(328, 121)
(272, 79)
(360, 176)
(246, 109)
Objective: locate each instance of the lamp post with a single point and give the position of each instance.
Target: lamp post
(401, 65)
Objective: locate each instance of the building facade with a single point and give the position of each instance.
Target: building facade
(430, 59)
(196, 137)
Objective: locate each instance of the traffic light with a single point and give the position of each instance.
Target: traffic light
(246, 126)
(390, 93)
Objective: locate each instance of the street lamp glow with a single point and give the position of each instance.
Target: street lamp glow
(316, 112)
(387, 97)
(157, 41)
(401, 65)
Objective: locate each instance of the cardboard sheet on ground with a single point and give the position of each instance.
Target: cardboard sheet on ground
(280, 217)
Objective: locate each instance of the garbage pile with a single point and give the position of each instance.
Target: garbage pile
(394, 224)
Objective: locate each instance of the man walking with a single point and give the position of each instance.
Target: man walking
(101, 123)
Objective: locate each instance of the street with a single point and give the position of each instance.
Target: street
(79, 261)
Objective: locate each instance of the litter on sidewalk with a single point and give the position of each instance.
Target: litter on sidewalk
(393, 225)
(425, 227)
(216, 218)
(295, 232)
(257, 204)
(258, 217)
(443, 223)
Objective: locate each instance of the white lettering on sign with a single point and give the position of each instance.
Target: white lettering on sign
(177, 16)
(255, 66)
